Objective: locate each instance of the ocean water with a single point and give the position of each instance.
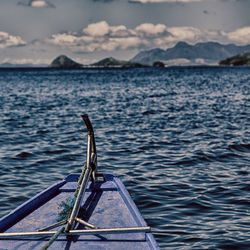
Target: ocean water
(179, 138)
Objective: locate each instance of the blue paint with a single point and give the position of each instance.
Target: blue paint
(107, 204)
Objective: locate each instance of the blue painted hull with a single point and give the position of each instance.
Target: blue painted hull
(106, 205)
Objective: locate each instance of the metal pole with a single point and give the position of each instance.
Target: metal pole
(79, 232)
(90, 155)
(78, 201)
(86, 223)
(53, 226)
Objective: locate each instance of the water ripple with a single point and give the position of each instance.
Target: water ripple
(177, 137)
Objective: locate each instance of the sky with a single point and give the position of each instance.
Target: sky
(37, 31)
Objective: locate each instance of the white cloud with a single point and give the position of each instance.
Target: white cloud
(120, 31)
(97, 29)
(102, 28)
(98, 37)
(149, 29)
(25, 61)
(37, 4)
(7, 40)
(103, 37)
(185, 33)
(63, 39)
(241, 35)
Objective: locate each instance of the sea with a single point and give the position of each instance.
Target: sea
(178, 137)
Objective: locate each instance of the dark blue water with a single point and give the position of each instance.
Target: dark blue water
(179, 138)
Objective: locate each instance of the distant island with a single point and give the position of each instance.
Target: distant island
(112, 62)
(64, 62)
(242, 59)
(158, 64)
(182, 54)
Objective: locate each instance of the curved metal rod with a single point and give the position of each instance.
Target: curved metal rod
(90, 171)
(88, 124)
(91, 149)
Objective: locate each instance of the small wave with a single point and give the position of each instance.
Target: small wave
(246, 187)
(202, 157)
(241, 202)
(150, 112)
(23, 155)
(68, 157)
(149, 147)
(157, 95)
(242, 172)
(220, 157)
(196, 205)
(55, 152)
(232, 245)
(42, 132)
(184, 161)
(240, 147)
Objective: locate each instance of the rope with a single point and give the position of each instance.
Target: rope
(80, 181)
(53, 238)
(67, 208)
(68, 205)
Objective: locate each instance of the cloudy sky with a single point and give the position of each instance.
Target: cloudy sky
(36, 31)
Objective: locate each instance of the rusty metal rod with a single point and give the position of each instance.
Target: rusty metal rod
(86, 223)
(79, 232)
(53, 226)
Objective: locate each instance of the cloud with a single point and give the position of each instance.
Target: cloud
(164, 1)
(186, 33)
(7, 40)
(241, 35)
(151, 30)
(101, 36)
(36, 61)
(37, 4)
(97, 29)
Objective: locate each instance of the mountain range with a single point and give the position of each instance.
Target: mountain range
(183, 53)
(63, 62)
(209, 53)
